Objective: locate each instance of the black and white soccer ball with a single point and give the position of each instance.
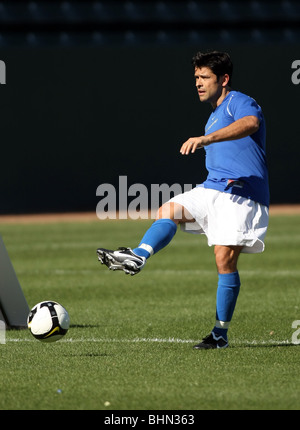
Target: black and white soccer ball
(48, 321)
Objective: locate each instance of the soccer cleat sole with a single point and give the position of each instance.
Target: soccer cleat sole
(128, 267)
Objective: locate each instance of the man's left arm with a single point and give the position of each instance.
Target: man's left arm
(237, 130)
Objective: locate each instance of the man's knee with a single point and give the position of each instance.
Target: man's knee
(167, 211)
(227, 258)
(175, 212)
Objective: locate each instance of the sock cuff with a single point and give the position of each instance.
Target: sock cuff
(222, 324)
(147, 248)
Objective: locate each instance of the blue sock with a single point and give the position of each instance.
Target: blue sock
(227, 294)
(156, 237)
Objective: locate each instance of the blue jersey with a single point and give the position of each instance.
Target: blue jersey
(238, 166)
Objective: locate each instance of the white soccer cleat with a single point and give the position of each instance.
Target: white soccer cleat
(122, 259)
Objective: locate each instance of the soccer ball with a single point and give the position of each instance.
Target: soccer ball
(48, 321)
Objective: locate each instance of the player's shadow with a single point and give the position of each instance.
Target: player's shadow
(265, 345)
(96, 354)
(84, 325)
(88, 354)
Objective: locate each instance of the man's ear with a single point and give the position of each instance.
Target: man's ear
(225, 80)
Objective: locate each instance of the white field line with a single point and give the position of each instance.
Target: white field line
(157, 340)
(254, 272)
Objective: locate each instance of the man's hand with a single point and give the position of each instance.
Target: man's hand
(194, 143)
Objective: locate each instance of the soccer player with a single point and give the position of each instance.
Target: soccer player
(231, 206)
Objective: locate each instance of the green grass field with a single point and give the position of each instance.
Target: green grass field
(129, 346)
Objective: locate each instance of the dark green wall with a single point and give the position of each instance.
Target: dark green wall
(74, 118)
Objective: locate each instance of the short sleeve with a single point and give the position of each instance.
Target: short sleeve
(240, 105)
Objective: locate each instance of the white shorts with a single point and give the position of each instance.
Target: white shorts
(226, 219)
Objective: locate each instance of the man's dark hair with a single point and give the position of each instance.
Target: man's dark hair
(219, 62)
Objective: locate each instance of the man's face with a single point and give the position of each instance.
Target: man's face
(209, 87)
